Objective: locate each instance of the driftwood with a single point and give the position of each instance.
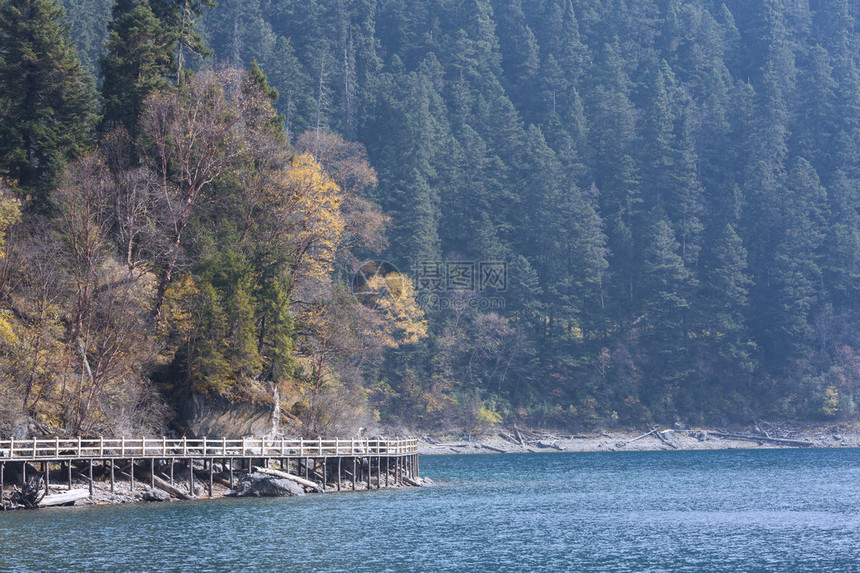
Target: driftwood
(622, 444)
(493, 448)
(64, 498)
(409, 481)
(507, 437)
(780, 441)
(519, 436)
(553, 444)
(663, 439)
(291, 477)
(160, 484)
(31, 494)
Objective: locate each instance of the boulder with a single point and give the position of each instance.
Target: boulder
(219, 417)
(155, 495)
(260, 485)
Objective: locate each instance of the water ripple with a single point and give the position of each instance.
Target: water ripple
(768, 511)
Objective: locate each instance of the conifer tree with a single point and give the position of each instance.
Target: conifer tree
(139, 61)
(47, 112)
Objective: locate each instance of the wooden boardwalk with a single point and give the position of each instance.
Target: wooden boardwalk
(325, 463)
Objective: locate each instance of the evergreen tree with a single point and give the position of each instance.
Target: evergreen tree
(666, 295)
(47, 112)
(178, 17)
(89, 29)
(723, 309)
(139, 60)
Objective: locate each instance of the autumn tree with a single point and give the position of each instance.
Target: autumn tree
(194, 136)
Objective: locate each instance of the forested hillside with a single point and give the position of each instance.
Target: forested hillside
(607, 210)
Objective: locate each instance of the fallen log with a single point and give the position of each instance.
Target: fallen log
(160, 484)
(646, 434)
(780, 441)
(408, 480)
(519, 436)
(65, 498)
(493, 448)
(291, 477)
(665, 441)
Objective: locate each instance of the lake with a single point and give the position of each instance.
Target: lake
(737, 510)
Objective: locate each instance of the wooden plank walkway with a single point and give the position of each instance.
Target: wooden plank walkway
(57, 449)
(329, 460)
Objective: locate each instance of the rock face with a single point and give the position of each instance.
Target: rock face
(261, 485)
(220, 418)
(155, 495)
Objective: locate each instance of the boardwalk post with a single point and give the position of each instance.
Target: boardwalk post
(2, 477)
(152, 473)
(211, 475)
(131, 471)
(353, 473)
(339, 473)
(325, 473)
(172, 461)
(112, 479)
(47, 467)
(231, 473)
(191, 477)
(91, 478)
(69, 468)
(23, 473)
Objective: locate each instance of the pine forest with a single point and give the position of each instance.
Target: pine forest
(429, 214)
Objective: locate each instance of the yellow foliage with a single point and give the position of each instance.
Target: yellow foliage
(404, 319)
(7, 334)
(307, 207)
(486, 416)
(831, 401)
(178, 304)
(10, 213)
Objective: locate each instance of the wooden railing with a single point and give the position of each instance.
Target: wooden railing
(89, 448)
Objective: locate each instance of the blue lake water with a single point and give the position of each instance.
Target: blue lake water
(753, 510)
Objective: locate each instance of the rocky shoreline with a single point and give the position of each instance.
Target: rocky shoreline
(517, 440)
